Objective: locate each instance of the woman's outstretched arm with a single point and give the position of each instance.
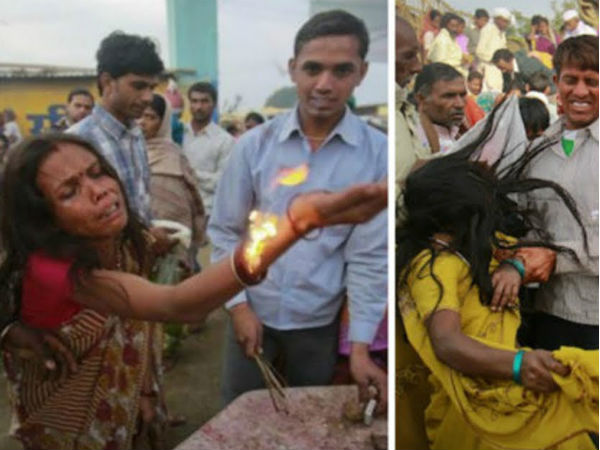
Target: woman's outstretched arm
(131, 296)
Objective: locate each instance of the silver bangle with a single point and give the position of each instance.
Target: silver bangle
(233, 270)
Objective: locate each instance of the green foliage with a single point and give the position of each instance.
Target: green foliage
(522, 25)
(282, 98)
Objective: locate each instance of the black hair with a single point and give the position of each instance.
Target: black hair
(535, 115)
(539, 82)
(120, 54)
(28, 225)
(256, 117)
(159, 105)
(5, 141)
(431, 74)
(503, 54)
(79, 91)
(473, 74)
(205, 88)
(537, 19)
(434, 13)
(232, 128)
(471, 201)
(580, 52)
(480, 13)
(446, 18)
(517, 83)
(333, 23)
(9, 114)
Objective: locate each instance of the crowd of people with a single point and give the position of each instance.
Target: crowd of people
(81, 240)
(497, 234)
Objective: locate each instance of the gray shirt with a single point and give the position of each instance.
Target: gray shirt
(572, 291)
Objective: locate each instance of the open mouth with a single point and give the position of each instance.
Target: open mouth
(110, 212)
(581, 104)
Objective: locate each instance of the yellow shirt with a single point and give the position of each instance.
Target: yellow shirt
(444, 49)
(477, 413)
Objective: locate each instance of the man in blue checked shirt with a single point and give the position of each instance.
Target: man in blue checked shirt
(294, 312)
(128, 70)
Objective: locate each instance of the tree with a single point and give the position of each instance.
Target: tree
(284, 97)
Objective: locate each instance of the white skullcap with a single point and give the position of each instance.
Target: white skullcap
(502, 12)
(570, 14)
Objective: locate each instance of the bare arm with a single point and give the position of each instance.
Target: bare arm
(473, 358)
(131, 296)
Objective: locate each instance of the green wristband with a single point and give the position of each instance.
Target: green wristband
(517, 362)
(517, 264)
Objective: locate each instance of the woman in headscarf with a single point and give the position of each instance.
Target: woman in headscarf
(173, 184)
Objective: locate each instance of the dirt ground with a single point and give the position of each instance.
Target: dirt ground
(192, 386)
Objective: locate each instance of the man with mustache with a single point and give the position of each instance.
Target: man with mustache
(80, 102)
(440, 92)
(293, 313)
(206, 144)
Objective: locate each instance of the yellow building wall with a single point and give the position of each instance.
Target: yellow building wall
(40, 102)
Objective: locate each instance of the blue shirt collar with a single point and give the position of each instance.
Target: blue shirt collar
(346, 128)
(107, 121)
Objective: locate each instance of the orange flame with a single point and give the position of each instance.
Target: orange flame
(293, 176)
(262, 227)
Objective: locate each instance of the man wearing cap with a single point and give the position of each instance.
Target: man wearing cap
(492, 38)
(574, 26)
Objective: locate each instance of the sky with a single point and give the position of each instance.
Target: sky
(527, 7)
(255, 43)
(255, 38)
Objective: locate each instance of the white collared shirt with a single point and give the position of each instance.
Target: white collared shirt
(207, 151)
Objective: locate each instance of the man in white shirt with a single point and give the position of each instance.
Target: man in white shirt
(574, 26)
(444, 48)
(11, 128)
(492, 38)
(206, 145)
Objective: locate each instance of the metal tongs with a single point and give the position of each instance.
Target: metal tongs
(274, 382)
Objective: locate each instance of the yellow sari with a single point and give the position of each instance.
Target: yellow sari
(477, 413)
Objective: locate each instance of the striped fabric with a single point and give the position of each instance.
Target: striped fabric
(97, 407)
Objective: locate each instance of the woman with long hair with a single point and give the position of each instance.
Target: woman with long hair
(76, 258)
(486, 391)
